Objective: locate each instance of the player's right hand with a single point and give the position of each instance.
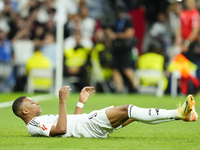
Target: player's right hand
(63, 93)
(85, 94)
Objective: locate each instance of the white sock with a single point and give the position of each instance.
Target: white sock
(151, 115)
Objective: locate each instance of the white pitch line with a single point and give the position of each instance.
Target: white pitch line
(35, 98)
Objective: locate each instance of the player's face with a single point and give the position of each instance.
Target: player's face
(32, 106)
(190, 3)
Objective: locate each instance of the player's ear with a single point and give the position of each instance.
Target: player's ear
(24, 111)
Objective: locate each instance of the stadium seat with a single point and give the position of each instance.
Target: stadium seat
(5, 72)
(150, 75)
(22, 47)
(154, 83)
(40, 80)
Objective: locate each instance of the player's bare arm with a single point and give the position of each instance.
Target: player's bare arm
(193, 34)
(84, 95)
(61, 126)
(178, 38)
(128, 33)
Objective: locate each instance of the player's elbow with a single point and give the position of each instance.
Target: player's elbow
(63, 131)
(58, 132)
(55, 131)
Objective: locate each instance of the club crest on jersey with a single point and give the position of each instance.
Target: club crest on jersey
(43, 127)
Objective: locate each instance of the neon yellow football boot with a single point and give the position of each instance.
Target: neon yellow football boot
(193, 116)
(185, 110)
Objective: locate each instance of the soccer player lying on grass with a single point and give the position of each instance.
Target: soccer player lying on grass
(98, 123)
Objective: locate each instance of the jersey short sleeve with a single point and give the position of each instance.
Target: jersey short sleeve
(36, 128)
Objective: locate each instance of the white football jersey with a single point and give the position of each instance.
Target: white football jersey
(42, 125)
(95, 124)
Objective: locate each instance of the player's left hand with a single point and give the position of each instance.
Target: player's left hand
(85, 93)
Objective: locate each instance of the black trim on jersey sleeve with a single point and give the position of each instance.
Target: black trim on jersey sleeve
(34, 123)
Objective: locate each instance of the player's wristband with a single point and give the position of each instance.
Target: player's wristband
(79, 104)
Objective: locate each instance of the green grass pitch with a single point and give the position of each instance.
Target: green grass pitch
(176, 135)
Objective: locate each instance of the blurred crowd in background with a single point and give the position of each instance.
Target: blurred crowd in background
(117, 46)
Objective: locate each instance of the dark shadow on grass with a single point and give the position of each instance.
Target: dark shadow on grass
(23, 136)
(139, 138)
(159, 138)
(150, 138)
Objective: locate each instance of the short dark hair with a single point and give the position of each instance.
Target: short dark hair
(16, 104)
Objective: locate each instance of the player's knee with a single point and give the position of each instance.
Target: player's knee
(125, 107)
